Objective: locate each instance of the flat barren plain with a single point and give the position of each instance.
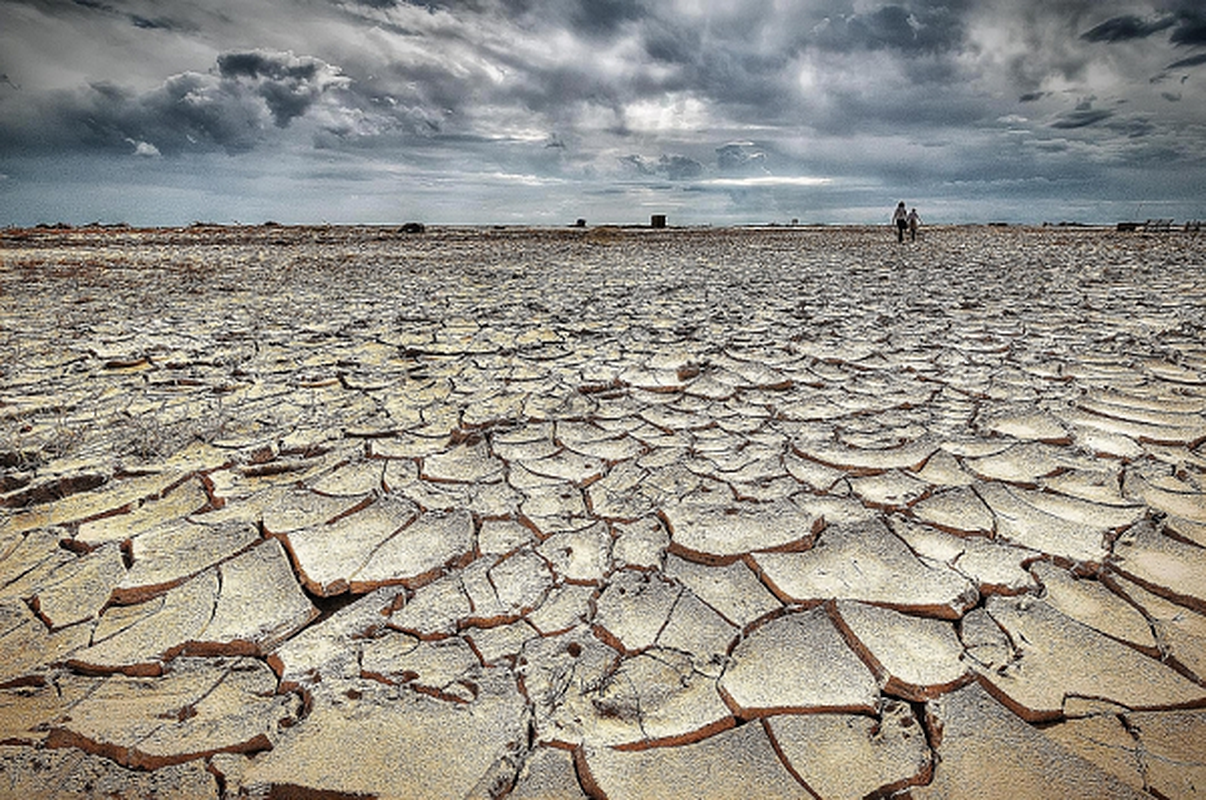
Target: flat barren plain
(609, 513)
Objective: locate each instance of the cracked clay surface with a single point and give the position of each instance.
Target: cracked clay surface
(348, 513)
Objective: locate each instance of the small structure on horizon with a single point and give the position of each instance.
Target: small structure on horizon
(657, 221)
(1149, 226)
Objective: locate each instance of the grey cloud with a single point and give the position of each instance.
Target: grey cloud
(912, 27)
(640, 164)
(1125, 28)
(191, 111)
(866, 92)
(672, 44)
(1191, 25)
(1133, 127)
(1192, 61)
(112, 11)
(673, 167)
(740, 157)
(288, 84)
(603, 17)
(1188, 24)
(1082, 117)
(679, 168)
(157, 23)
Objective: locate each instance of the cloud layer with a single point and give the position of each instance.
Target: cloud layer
(540, 110)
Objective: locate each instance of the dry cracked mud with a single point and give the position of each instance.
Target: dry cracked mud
(348, 513)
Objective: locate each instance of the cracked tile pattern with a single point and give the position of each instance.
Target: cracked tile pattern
(346, 513)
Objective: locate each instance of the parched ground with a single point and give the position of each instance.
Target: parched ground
(346, 513)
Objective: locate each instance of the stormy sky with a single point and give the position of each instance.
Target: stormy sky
(544, 111)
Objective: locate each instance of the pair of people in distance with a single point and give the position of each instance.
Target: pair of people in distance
(905, 220)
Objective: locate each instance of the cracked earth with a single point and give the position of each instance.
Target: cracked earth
(349, 513)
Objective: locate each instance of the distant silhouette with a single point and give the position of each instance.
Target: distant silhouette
(900, 218)
(914, 220)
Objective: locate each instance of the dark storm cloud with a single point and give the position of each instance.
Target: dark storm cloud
(1187, 21)
(1192, 61)
(603, 17)
(528, 98)
(1121, 29)
(1082, 117)
(912, 28)
(288, 85)
(1191, 25)
(191, 111)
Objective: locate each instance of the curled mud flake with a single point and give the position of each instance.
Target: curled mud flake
(655, 699)
(912, 657)
(1170, 748)
(994, 567)
(867, 562)
(298, 509)
(1023, 464)
(1020, 521)
(847, 755)
(719, 531)
(502, 536)
(751, 766)
(1103, 740)
(981, 747)
(436, 610)
(1028, 426)
(29, 649)
(633, 609)
(1164, 566)
(565, 607)
(430, 745)
(418, 551)
(157, 633)
(80, 591)
(1092, 603)
(463, 463)
(1059, 658)
(794, 663)
(891, 490)
(184, 499)
(1180, 632)
(733, 591)
(259, 605)
(327, 556)
(696, 629)
(142, 723)
(166, 557)
(864, 461)
(958, 510)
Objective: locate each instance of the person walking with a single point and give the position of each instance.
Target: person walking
(900, 218)
(914, 220)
